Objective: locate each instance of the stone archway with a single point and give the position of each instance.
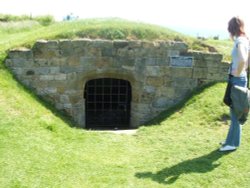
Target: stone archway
(160, 74)
(107, 103)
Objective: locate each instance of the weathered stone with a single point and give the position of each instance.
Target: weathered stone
(17, 70)
(107, 52)
(22, 53)
(21, 62)
(155, 81)
(41, 62)
(101, 43)
(43, 70)
(168, 92)
(180, 46)
(59, 72)
(93, 52)
(173, 53)
(120, 43)
(66, 47)
(47, 77)
(73, 60)
(200, 72)
(188, 83)
(30, 72)
(53, 44)
(81, 43)
(161, 102)
(153, 71)
(60, 76)
(185, 72)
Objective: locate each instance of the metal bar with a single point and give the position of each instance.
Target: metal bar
(107, 103)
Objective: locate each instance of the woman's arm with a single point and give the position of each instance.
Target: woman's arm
(243, 59)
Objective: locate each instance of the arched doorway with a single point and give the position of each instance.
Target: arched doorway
(107, 103)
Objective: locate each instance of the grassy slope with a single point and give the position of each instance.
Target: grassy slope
(223, 46)
(38, 149)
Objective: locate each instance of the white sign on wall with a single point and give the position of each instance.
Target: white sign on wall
(181, 61)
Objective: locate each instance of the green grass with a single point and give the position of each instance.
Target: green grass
(26, 32)
(43, 20)
(38, 148)
(109, 28)
(223, 46)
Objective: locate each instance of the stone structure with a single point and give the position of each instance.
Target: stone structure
(159, 73)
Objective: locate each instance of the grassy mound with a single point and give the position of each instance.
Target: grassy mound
(179, 149)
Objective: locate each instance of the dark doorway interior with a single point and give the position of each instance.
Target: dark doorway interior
(107, 103)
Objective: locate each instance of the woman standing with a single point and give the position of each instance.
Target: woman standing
(238, 76)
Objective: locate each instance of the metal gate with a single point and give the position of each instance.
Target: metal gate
(107, 103)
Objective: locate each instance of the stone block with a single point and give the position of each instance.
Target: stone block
(60, 76)
(127, 61)
(22, 53)
(181, 72)
(57, 61)
(168, 81)
(43, 70)
(213, 69)
(41, 62)
(66, 48)
(46, 77)
(200, 72)
(76, 99)
(128, 68)
(93, 52)
(180, 46)
(72, 76)
(101, 43)
(73, 60)
(17, 70)
(29, 72)
(54, 70)
(87, 61)
(155, 81)
(162, 61)
(173, 53)
(147, 44)
(19, 62)
(134, 44)
(81, 43)
(214, 57)
(64, 99)
(188, 83)
(50, 90)
(161, 102)
(120, 43)
(151, 61)
(107, 52)
(200, 63)
(153, 71)
(167, 92)
(78, 114)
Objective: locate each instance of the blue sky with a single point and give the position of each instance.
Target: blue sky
(194, 17)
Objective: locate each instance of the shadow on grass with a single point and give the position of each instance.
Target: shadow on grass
(167, 113)
(169, 175)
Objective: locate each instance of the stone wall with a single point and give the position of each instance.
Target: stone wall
(58, 71)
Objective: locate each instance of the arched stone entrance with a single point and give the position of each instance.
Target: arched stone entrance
(157, 75)
(107, 103)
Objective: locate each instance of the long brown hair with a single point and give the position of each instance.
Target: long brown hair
(236, 27)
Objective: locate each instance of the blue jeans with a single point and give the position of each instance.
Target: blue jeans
(234, 133)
